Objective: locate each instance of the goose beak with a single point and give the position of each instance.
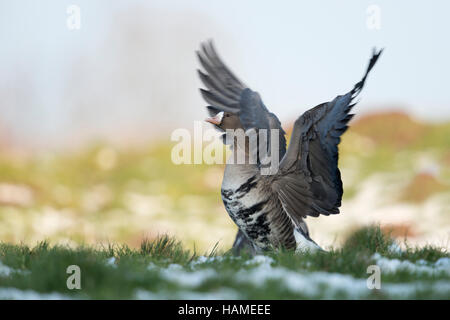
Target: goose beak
(216, 120)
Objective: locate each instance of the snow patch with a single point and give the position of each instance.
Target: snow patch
(16, 294)
(308, 284)
(204, 259)
(5, 271)
(421, 266)
(260, 260)
(222, 294)
(111, 262)
(331, 285)
(395, 248)
(176, 273)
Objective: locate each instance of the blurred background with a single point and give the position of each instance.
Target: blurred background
(90, 93)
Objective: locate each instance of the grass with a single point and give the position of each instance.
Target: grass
(162, 268)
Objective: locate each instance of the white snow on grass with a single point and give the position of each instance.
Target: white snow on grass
(111, 262)
(326, 285)
(421, 266)
(262, 269)
(408, 290)
(5, 271)
(260, 259)
(17, 294)
(322, 285)
(175, 273)
(395, 248)
(221, 294)
(310, 284)
(203, 259)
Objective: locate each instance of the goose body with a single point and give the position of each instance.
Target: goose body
(254, 208)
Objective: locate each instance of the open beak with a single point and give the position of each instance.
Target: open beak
(216, 120)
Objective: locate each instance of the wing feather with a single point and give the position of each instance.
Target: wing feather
(309, 181)
(225, 92)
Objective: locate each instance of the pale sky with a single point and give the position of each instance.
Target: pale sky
(132, 63)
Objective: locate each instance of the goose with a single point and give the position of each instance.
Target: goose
(270, 209)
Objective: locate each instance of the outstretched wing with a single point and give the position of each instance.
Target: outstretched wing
(308, 181)
(225, 92)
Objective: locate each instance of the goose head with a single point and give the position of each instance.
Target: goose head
(225, 120)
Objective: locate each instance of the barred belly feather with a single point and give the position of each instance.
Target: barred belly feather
(256, 212)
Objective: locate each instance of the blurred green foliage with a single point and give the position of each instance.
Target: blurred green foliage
(102, 193)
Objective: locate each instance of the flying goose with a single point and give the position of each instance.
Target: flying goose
(270, 210)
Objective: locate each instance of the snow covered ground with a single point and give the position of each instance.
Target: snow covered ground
(307, 284)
